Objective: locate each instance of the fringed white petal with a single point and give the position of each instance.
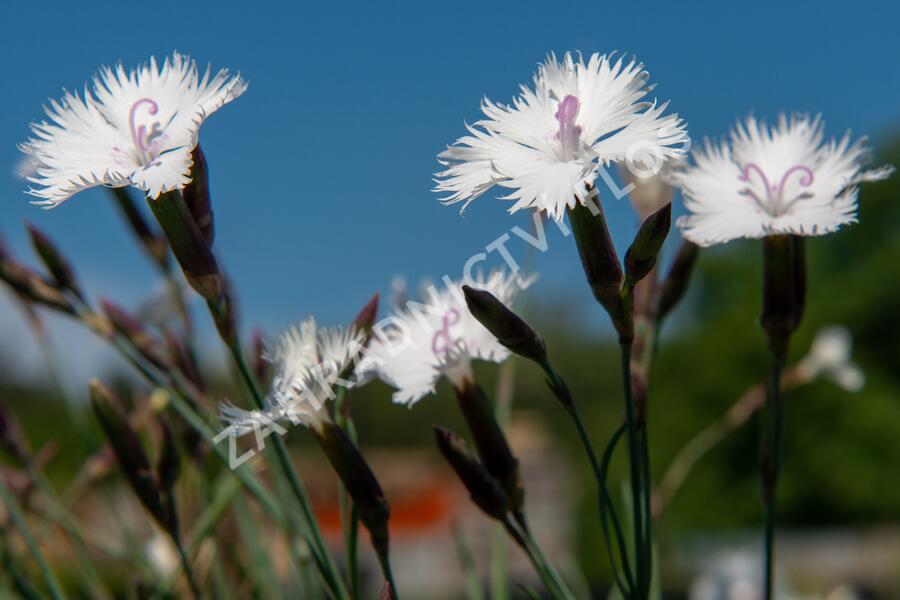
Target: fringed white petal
(518, 146)
(308, 363)
(75, 150)
(129, 127)
(438, 338)
(169, 171)
(784, 179)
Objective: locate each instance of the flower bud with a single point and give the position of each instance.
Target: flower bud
(58, 267)
(168, 464)
(784, 290)
(484, 490)
(33, 287)
(196, 196)
(600, 262)
(509, 329)
(152, 241)
(490, 442)
(675, 284)
(262, 370)
(184, 360)
(129, 451)
(359, 480)
(190, 248)
(365, 320)
(641, 255)
(224, 313)
(135, 332)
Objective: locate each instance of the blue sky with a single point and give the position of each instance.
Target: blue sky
(321, 173)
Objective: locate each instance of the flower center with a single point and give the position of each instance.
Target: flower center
(146, 132)
(441, 343)
(569, 133)
(774, 202)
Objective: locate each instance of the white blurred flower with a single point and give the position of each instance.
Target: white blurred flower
(829, 356)
(134, 127)
(651, 185)
(438, 338)
(773, 180)
(161, 555)
(550, 143)
(309, 362)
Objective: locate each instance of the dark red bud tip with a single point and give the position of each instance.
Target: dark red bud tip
(366, 317)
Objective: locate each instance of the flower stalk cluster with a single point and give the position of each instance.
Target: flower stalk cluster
(139, 129)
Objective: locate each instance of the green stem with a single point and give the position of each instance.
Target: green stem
(551, 579)
(186, 567)
(559, 388)
(647, 484)
(770, 469)
(330, 572)
(634, 460)
(467, 563)
(385, 563)
(18, 519)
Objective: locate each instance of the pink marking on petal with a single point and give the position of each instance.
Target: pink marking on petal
(441, 341)
(569, 133)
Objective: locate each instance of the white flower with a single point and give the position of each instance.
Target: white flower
(773, 180)
(650, 189)
(134, 127)
(550, 143)
(829, 355)
(440, 338)
(309, 362)
(161, 555)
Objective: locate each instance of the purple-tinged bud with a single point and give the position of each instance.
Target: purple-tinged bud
(33, 287)
(196, 196)
(190, 248)
(644, 250)
(56, 264)
(490, 442)
(508, 327)
(184, 361)
(129, 451)
(262, 370)
(359, 481)
(672, 289)
(784, 290)
(168, 467)
(168, 464)
(485, 491)
(134, 331)
(600, 262)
